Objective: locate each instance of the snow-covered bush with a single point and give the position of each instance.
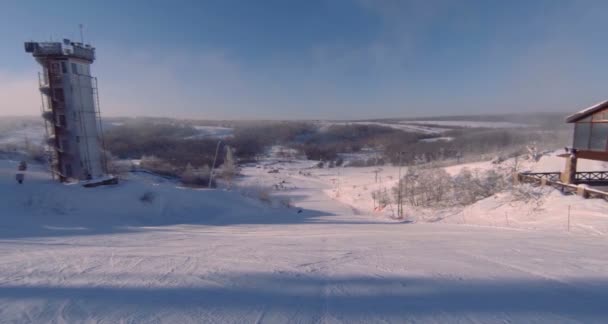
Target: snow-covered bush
(36, 153)
(434, 187)
(196, 177)
(116, 167)
(156, 165)
(357, 163)
(473, 185)
(424, 187)
(529, 194)
(260, 193)
(381, 198)
(365, 162)
(285, 202)
(264, 195)
(229, 169)
(147, 197)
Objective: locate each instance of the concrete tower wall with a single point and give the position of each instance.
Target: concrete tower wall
(70, 99)
(81, 109)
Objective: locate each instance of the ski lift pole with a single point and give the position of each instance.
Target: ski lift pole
(400, 202)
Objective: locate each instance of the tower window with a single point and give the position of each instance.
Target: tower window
(65, 146)
(74, 68)
(64, 67)
(55, 68)
(58, 94)
(62, 120)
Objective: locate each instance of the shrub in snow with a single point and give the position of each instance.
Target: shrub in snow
(381, 198)
(474, 185)
(196, 177)
(157, 165)
(424, 187)
(117, 167)
(357, 163)
(263, 194)
(530, 194)
(36, 153)
(147, 197)
(285, 202)
(436, 188)
(229, 168)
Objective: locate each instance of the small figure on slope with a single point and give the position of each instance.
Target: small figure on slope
(20, 176)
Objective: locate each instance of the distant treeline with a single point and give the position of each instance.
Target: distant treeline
(175, 141)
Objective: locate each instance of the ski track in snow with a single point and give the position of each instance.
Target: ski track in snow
(326, 265)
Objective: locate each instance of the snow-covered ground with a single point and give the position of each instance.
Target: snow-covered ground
(354, 187)
(436, 139)
(429, 127)
(212, 132)
(148, 250)
(31, 132)
(400, 126)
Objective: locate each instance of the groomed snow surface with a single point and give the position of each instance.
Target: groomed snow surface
(148, 250)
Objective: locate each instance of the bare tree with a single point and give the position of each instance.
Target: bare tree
(229, 168)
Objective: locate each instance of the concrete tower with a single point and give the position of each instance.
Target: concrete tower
(70, 107)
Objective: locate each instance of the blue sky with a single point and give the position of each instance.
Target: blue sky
(339, 59)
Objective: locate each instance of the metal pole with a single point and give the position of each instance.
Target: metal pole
(217, 149)
(568, 218)
(81, 34)
(400, 202)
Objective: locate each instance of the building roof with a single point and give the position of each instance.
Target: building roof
(61, 49)
(587, 112)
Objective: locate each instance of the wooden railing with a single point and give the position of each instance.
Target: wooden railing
(553, 176)
(549, 179)
(593, 177)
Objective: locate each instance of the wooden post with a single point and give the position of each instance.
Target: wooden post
(581, 190)
(568, 218)
(516, 178)
(399, 195)
(569, 174)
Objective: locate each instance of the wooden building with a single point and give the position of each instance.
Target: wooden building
(590, 138)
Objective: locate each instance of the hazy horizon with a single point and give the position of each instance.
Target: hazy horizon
(340, 60)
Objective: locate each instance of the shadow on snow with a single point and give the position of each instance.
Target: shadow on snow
(344, 297)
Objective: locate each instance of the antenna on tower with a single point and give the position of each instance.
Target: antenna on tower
(81, 34)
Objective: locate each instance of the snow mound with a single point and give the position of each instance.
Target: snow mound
(537, 208)
(42, 207)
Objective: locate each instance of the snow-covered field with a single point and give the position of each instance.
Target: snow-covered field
(31, 133)
(212, 132)
(466, 123)
(109, 254)
(400, 126)
(436, 139)
(353, 186)
(429, 127)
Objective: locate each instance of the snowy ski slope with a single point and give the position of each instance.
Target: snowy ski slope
(102, 255)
